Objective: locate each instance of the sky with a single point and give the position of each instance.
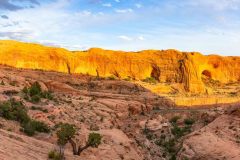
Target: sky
(206, 26)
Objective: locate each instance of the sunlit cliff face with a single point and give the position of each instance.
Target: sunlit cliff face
(187, 69)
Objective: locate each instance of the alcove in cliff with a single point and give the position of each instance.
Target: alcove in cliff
(206, 74)
(207, 78)
(156, 72)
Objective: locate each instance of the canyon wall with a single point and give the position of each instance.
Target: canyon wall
(186, 68)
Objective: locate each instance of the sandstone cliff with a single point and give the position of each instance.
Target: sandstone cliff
(165, 66)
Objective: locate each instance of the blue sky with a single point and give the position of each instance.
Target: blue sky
(207, 26)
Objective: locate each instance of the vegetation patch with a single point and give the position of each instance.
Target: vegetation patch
(35, 93)
(112, 78)
(173, 143)
(189, 121)
(16, 111)
(150, 80)
(174, 119)
(54, 155)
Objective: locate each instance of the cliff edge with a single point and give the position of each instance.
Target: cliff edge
(190, 69)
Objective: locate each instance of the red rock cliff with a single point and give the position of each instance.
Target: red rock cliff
(165, 66)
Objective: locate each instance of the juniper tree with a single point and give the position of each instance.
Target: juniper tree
(66, 134)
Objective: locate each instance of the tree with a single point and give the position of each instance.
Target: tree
(94, 140)
(66, 134)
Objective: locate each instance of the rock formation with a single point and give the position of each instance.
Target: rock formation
(218, 140)
(165, 66)
(134, 122)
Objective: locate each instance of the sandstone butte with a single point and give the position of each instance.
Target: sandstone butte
(185, 68)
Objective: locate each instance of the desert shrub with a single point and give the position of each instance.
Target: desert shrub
(47, 95)
(189, 121)
(35, 99)
(35, 93)
(13, 110)
(111, 78)
(169, 145)
(25, 90)
(54, 155)
(33, 126)
(40, 126)
(35, 89)
(174, 119)
(94, 139)
(16, 111)
(177, 131)
(28, 128)
(128, 78)
(150, 80)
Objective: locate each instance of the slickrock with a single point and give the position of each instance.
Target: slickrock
(218, 140)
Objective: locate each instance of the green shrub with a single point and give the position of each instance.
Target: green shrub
(111, 78)
(28, 128)
(35, 99)
(189, 121)
(174, 119)
(94, 139)
(177, 131)
(25, 90)
(40, 126)
(13, 110)
(150, 80)
(35, 89)
(170, 145)
(47, 95)
(35, 93)
(32, 126)
(54, 155)
(128, 78)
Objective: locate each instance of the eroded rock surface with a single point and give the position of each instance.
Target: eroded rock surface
(218, 140)
(165, 66)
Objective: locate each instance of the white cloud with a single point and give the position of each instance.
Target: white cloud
(125, 38)
(117, 1)
(141, 38)
(133, 38)
(128, 10)
(107, 5)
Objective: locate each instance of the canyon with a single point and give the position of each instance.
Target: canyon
(151, 105)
